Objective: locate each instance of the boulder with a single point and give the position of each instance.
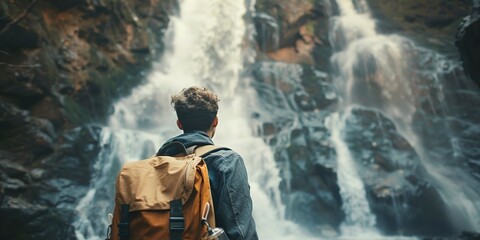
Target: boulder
(291, 31)
(398, 187)
(468, 44)
(24, 220)
(30, 137)
(17, 36)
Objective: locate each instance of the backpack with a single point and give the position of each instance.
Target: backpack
(164, 197)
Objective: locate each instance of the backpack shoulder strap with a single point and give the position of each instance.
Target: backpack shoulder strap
(177, 220)
(203, 151)
(123, 228)
(177, 147)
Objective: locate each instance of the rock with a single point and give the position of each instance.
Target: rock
(290, 31)
(438, 21)
(318, 87)
(468, 45)
(409, 18)
(63, 59)
(469, 236)
(49, 110)
(304, 102)
(37, 174)
(420, 19)
(13, 185)
(23, 134)
(467, 146)
(393, 173)
(269, 129)
(17, 36)
(301, 205)
(20, 86)
(59, 192)
(63, 5)
(12, 169)
(268, 32)
(17, 216)
(74, 158)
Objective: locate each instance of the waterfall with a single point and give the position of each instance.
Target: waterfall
(384, 73)
(207, 45)
(204, 46)
(359, 219)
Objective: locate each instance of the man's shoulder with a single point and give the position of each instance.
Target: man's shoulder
(224, 160)
(223, 152)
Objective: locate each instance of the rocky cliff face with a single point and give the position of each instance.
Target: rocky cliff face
(62, 64)
(293, 77)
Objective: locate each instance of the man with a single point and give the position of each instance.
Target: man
(196, 110)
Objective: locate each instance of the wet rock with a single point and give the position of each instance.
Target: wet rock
(33, 221)
(303, 204)
(49, 110)
(37, 174)
(20, 86)
(59, 192)
(12, 169)
(290, 31)
(438, 21)
(317, 85)
(420, 19)
(318, 140)
(23, 134)
(304, 102)
(302, 150)
(394, 177)
(87, 48)
(268, 32)
(467, 146)
(468, 45)
(64, 5)
(13, 185)
(269, 129)
(75, 156)
(17, 36)
(469, 236)
(311, 190)
(409, 18)
(21, 89)
(422, 213)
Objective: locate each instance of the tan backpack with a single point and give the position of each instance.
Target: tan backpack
(164, 197)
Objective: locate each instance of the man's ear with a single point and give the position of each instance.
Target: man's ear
(215, 122)
(179, 124)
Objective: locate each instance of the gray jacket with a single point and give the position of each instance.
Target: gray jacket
(229, 183)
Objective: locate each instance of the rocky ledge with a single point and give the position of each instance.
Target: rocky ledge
(62, 64)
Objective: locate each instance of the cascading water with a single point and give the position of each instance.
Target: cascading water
(204, 47)
(359, 219)
(378, 72)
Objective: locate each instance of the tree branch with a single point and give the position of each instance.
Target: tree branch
(20, 17)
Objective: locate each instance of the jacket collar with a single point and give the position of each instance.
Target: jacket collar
(188, 139)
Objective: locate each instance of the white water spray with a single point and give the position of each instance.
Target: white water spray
(359, 222)
(375, 71)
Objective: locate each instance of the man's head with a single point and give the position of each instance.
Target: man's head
(196, 109)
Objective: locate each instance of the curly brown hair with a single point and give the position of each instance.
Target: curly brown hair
(196, 108)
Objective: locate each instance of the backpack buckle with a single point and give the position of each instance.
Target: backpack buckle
(177, 223)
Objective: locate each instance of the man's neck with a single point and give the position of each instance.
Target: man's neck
(210, 133)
